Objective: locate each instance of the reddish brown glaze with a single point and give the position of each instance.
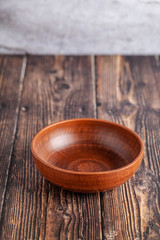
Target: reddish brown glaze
(87, 155)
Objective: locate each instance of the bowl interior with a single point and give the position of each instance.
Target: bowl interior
(86, 146)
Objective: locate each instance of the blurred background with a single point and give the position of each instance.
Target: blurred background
(80, 27)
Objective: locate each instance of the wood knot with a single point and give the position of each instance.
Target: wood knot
(63, 86)
(2, 105)
(99, 104)
(60, 84)
(127, 108)
(139, 85)
(25, 108)
(52, 71)
(82, 109)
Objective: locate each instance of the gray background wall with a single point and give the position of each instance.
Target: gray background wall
(80, 27)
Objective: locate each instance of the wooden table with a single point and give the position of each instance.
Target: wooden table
(38, 90)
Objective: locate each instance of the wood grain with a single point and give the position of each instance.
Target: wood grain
(55, 88)
(10, 90)
(128, 92)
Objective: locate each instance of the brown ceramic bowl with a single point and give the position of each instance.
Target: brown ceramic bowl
(87, 155)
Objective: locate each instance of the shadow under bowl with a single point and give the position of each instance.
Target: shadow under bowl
(87, 155)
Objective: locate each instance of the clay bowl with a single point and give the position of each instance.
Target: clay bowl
(87, 155)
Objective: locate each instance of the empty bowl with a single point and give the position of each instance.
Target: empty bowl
(87, 155)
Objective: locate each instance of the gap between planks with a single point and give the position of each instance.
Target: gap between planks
(93, 72)
(94, 79)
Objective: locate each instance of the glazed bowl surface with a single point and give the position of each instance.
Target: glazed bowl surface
(87, 155)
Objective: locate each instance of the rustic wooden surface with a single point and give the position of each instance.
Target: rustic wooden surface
(38, 90)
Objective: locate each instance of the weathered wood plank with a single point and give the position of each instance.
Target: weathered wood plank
(10, 91)
(55, 88)
(128, 92)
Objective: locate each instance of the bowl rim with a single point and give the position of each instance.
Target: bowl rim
(88, 173)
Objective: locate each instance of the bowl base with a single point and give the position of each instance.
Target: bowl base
(87, 158)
